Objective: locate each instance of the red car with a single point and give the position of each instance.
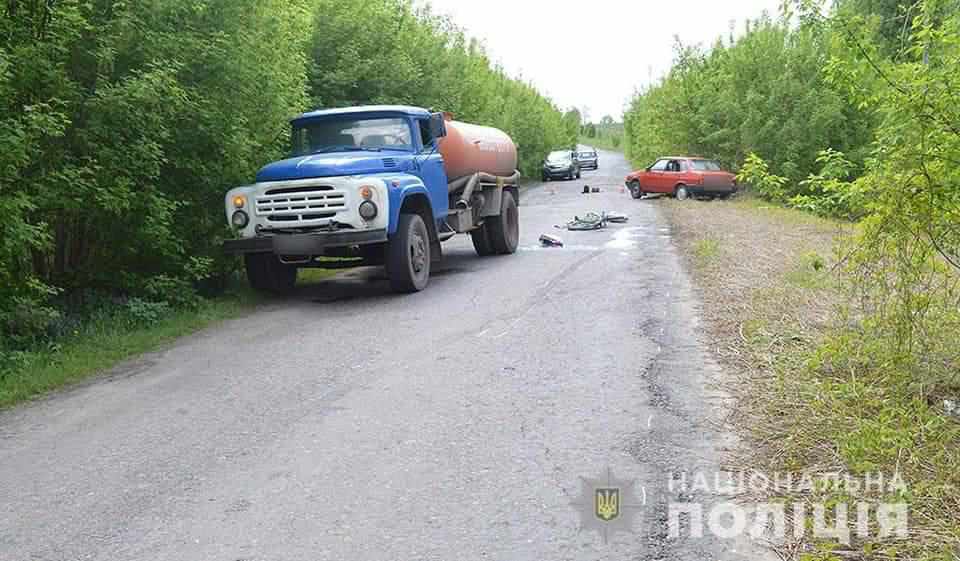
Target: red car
(683, 177)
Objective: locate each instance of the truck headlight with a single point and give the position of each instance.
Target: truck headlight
(240, 220)
(368, 210)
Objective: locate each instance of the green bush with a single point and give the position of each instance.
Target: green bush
(142, 312)
(756, 174)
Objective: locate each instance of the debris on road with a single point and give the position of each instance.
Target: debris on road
(586, 189)
(615, 217)
(594, 221)
(546, 240)
(589, 221)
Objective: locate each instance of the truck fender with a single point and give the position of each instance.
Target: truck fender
(403, 198)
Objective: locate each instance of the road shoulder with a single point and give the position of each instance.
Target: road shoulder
(814, 397)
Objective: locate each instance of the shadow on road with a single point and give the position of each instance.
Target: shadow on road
(371, 283)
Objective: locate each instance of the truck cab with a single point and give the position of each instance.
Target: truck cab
(362, 186)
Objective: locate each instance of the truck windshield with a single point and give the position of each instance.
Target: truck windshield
(342, 135)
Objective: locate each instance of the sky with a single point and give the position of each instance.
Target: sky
(593, 54)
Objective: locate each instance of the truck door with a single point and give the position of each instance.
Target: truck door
(432, 173)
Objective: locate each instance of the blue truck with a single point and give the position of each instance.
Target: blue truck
(375, 186)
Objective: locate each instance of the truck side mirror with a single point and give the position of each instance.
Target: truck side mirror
(438, 125)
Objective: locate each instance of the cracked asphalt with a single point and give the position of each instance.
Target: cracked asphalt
(348, 423)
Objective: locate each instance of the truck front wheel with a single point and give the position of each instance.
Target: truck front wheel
(266, 273)
(408, 255)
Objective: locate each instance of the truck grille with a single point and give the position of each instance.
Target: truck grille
(301, 204)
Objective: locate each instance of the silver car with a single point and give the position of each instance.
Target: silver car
(588, 158)
(561, 163)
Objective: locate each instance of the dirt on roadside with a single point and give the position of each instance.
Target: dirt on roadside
(767, 294)
(813, 391)
(760, 271)
(740, 253)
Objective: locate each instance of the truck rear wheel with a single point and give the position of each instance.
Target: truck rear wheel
(481, 241)
(266, 273)
(504, 230)
(408, 255)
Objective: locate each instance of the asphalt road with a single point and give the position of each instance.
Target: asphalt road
(348, 423)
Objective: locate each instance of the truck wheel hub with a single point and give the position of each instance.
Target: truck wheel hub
(418, 253)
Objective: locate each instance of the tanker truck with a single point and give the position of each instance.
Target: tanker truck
(375, 186)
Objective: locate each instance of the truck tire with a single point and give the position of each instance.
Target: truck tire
(504, 230)
(408, 255)
(481, 241)
(266, 273)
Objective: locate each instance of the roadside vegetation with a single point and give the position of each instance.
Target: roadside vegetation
(105, 335)
(851, 346)
(606, 134)
(122, 125)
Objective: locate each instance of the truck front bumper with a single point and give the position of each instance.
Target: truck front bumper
(313, 244)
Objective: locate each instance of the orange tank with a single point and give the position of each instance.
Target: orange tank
(468, 149)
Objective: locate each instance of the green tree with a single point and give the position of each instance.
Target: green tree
(572, 121)
(122, 125)
(725, 103)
